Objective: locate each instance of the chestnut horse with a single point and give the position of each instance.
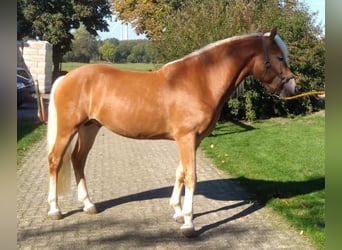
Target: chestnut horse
(181, 101)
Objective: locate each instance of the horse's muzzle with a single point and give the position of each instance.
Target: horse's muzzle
(288, 87)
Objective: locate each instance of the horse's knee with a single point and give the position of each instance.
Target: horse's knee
(53, 163)
(190, 180)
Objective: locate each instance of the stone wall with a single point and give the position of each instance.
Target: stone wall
(36, 56)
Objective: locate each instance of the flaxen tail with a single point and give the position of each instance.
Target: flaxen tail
(64, 174)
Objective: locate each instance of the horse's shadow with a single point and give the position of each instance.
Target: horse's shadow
(225, 190)
(222, 128)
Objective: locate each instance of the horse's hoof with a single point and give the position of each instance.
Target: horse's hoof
(57, 215)
(90, 210)
(188, 230)
(179, 218)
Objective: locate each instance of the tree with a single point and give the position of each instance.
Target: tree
(141, 53)
(83, 47)
(145, 16)
(53, 21)
(192, 26)
(108, 50)
(124, 50)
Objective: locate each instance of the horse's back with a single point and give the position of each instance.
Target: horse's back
(105, 75)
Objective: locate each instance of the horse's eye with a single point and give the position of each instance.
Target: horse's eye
(280, 58)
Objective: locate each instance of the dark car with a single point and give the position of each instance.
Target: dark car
(25, 86)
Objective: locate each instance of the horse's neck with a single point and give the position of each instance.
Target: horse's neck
(217, 71)
(228, 66)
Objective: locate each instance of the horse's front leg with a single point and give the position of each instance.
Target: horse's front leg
(186, 174)
(175, 200)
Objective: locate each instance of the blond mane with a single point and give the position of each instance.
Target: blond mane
(212, 45)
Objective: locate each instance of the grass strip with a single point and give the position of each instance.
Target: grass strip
(281, 162)
(28, 133)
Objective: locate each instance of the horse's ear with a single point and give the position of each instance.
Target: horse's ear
(273, 33)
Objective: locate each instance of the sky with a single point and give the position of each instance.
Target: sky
(115, 27)
(317, 5)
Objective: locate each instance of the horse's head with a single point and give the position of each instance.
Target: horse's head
(272, 67)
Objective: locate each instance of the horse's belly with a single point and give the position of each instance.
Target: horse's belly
(139, 131)
(139, 125)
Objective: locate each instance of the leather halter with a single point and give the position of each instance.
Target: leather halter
(268, 66)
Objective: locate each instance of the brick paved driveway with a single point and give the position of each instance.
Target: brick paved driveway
(130, 182)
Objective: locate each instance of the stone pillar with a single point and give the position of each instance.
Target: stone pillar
(36, 56)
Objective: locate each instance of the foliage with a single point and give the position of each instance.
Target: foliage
(53, 21)
(83, 47)
(250, 113)
(145, 16)
(197, 23)
(281, 162)
(108, 50)
(124, 50)
(192, 26)
(141, 52)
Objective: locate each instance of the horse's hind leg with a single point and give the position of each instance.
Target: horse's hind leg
(56, 162)
(86, 138)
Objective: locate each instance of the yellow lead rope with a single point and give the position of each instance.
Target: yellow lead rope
(304, 94)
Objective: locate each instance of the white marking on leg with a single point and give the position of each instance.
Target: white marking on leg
(188, 228)
(52, 198)
(175, 200)
(84, 197)
(188, 205)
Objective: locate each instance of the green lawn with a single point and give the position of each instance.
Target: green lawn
(67, 66)
(281, 162)
(28, 133)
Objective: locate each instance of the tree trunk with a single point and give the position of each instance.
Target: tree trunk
(56, 59)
